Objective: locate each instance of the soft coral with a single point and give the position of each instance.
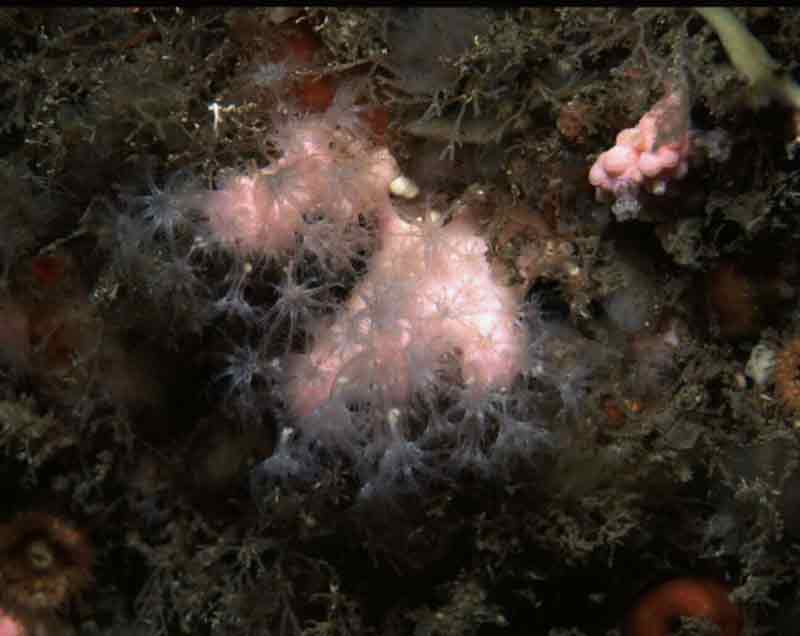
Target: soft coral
(328, 169)
(651, 154)
(429, 295)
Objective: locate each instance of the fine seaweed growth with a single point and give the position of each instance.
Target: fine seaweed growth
(385, 320)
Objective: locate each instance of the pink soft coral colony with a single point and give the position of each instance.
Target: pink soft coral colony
(651, 154)
(429, 292)
(428, 304)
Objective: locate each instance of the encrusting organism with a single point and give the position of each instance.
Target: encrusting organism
(787, 375)
(734, 299)
(44, 561)
(657, 611)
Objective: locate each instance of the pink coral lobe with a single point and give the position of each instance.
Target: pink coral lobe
(242, 217)
(429, 292)
(324, 171)
(641, 156)
(9, 626)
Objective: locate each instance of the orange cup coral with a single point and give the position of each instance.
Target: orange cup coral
(659, 609)
(787, 375)
(44, 561)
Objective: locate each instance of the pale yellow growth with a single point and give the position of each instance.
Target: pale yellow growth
(750, 57)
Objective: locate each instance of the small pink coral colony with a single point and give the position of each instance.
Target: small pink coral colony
(649, 155)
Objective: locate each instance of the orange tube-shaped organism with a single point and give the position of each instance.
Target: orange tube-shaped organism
(657, 611)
